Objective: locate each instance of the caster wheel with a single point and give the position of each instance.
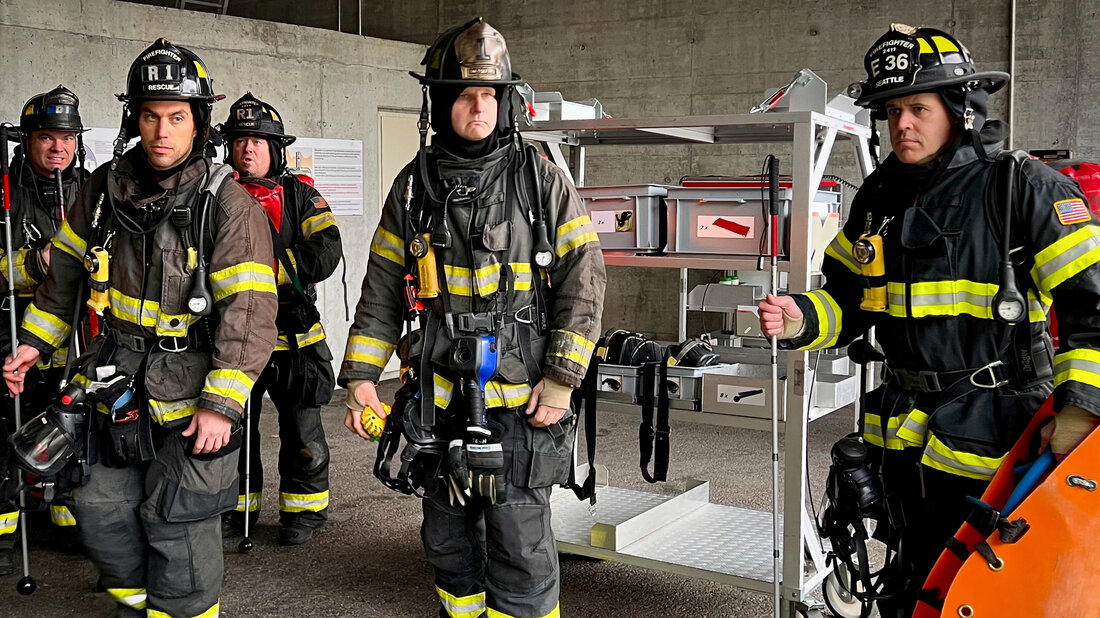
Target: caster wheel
(841, 602)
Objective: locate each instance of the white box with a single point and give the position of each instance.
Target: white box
(835, 391)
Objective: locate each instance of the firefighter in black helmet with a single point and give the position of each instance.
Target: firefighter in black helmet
(963, 329)
(299, 376)
(188, 325)
(511, 282)
(49, 139)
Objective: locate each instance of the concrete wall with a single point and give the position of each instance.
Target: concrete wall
(325, 84)
(675, 57)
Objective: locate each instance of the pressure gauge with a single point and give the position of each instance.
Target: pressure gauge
(543, 259)
(1010, 310)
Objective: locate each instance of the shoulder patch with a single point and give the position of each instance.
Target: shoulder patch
(318, 202)
(1072, 211)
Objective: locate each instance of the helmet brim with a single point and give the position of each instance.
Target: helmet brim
(234, 134)
(990, 81)
(471, 83)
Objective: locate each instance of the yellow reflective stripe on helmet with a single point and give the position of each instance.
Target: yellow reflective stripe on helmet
(368, 350)
(1066, 257)
(841, 250)
(253, 500)
(316, 223)
(943, 44)
(459, 280)
(570, 346)
(168, 411)
(46, 326)
(574, 234)
(939, 456)
(874, 433)
(924, 46)
(134, 598)
(492, 613)
(504, 395)
(230, 383)
(301, 503)
(388, 245)
(70, 242)
(913, 428)
(829, 318)
(316, 333)
(1080, 365)
(247, 276)
(443, 390)
(60, 515)
(470, 606)
(213, 612)
(522, 280)
(9, 522)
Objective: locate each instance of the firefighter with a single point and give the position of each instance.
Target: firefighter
(968, 356)
(187, 327)
(511, 280)
(49, 139)
(299, 376)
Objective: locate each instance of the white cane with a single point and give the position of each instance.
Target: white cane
(773, 206)
(245, 546)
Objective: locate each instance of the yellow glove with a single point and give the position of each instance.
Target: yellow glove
(1071, 426)
(372, 423)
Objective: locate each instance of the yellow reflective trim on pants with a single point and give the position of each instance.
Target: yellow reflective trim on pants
(574, 234)
(492, 613)
(210, 613)
(133, 598)
(1080, 365)
(245, 277)
(316, 333)
(939, 456)
(70, 242)
(230, 383)
(298, 503)
(841, 250)
(388, 245)
(362, 349)
(829, 316)
(168, 411)
(914, 428)
(9, 522)
(504, 395)
(1066, 257)
(316, 223)
(873, 432)
(60, 515)
(254, 500)
(470, 606)
(46, 326)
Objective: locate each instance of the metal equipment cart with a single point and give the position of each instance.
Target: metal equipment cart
(687, 534)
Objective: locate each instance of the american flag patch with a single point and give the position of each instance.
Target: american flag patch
(1072, 211)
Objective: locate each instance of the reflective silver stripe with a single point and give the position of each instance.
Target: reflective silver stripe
(316, 223)
(522, 278)
(368, 350)
(60, 515)
(70, 242)
(573, 234)
(230, 383)
(1066, 257)
(841, 250)
(570, 346)
(470, 606)
(1078, 365)
(459, 280)
(488, 279)
(254, 499)
(245, 277)
(168, 411)
(503, 395)
(134, 598)
(828, 319)
(46, 326)
(388, 245)
(9, 522)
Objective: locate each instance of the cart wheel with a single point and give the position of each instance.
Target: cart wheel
(841, 603)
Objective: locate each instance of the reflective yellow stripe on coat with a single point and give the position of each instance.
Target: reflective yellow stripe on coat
(368, 350)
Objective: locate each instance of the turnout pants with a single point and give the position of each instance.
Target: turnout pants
(502, 558)
(934, 505)
(299, 388)
(154, 530)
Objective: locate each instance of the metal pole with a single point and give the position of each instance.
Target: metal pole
(773, 207)
(245, 546)
(27, 585)
(1012, 82)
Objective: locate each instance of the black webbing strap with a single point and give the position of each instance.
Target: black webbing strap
(653, 442)
(586, 395)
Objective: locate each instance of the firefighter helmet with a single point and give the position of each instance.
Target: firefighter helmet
(251, 116)
(908, 60)
(56, 110)
(473, 54)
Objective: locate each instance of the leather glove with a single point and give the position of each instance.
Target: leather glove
(1071, 426)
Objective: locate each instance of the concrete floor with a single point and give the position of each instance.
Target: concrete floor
(372, 564)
